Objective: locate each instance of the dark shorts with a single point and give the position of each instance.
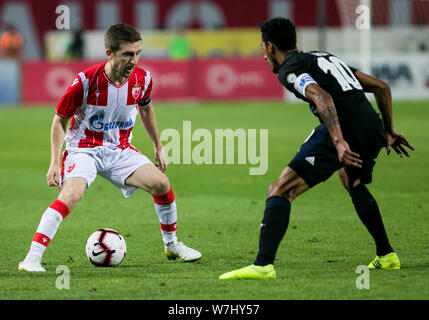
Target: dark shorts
(317, 158)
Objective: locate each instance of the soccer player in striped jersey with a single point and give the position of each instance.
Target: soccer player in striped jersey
(103, 102)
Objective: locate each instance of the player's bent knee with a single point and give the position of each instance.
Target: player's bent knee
(72, 192)
(160, 186)
(274, 189)
(70, 199)
(346, 181)
(291, 194)
(288, 187)
(277, 188)
(343, 178)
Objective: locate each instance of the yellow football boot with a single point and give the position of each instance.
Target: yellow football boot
(251, 272)
(388, 261)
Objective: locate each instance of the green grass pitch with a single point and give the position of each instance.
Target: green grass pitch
(220, 208)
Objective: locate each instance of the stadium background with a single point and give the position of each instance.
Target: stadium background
(223, 59)
(222, 82)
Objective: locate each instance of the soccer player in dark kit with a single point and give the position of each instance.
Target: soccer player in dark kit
(348, 139)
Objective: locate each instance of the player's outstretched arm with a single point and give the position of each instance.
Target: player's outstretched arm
(327, 112)
(147, 115)
(383, 97)
(58, 131)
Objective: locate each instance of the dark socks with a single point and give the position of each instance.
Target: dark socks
(273, 228)
(369, 213)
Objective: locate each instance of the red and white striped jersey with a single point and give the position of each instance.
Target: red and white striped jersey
(103, 113)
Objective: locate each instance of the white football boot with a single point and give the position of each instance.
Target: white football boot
(31, 264)
(176, 249)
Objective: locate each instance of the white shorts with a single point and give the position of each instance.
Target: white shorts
(116, 165)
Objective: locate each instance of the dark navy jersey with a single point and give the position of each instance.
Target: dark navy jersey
(301, 68)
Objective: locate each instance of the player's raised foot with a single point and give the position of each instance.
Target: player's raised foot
(388, 261)
(176, 249)
(251, 272)
(31, 264)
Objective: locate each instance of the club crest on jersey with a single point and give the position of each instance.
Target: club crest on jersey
(136, 90)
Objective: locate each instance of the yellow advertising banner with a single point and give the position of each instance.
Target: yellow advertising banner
(226, 42)
(233, 42)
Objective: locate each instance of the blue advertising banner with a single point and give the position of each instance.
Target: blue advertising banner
(9, 82)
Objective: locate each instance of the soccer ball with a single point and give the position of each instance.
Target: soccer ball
(106, 248)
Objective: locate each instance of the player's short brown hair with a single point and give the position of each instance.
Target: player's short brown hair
(118, 34)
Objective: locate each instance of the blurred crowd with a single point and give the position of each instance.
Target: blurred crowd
(11, 42)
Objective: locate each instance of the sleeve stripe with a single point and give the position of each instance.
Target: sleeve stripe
(146, 82)
(85, 82)
(61, 115)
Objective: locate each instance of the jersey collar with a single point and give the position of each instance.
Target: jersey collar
(289, 55)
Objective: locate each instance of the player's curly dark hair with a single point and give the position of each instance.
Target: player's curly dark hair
(279, 31)
(118, 34)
